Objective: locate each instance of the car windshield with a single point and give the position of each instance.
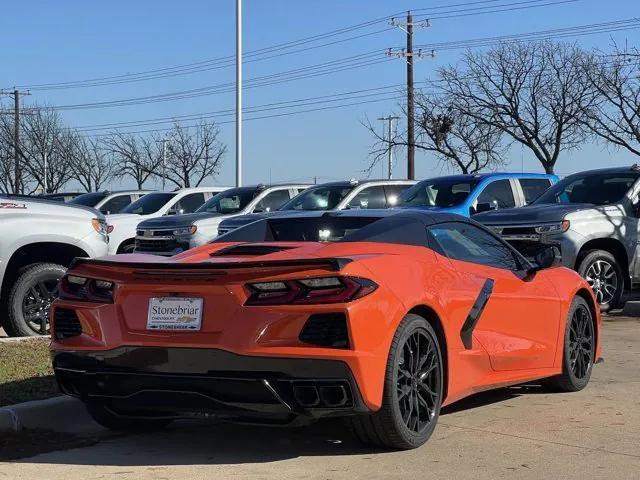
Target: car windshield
(437, 192)
(325, 197)
(596, 188)
(150, 203)
(89, 199)
(230, 201)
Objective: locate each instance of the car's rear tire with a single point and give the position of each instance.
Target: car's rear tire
(603, 272)
(412, 390)
(30, 298)
(579, 349)
(108, 419)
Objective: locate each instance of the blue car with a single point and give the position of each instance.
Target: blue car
(470, 194)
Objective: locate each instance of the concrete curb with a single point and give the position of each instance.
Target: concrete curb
(59, 414)
(25, 339)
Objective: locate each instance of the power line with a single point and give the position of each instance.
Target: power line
(486, 6)
(286, 114)
(230, 111)
(598, 28)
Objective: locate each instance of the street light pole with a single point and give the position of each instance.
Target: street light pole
(46, 158)
(238, 93)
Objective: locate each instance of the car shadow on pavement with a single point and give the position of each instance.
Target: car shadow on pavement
(202, 442)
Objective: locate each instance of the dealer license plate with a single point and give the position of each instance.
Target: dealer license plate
(174, 313)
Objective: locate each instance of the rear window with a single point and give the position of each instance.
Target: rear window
(89, 199)
(317, 229)
(533, 188)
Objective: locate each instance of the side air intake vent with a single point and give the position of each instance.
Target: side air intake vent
(66, 323)
(249, 250)
(326, 330)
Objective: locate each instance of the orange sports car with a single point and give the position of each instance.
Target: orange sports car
(381, 317)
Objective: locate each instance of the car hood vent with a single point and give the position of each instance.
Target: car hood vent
(252, 250)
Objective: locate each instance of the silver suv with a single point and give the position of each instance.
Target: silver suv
(592, 217)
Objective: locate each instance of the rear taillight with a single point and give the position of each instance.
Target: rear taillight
(73, 287)
(309, 291)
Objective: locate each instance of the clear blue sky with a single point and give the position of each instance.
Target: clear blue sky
(71, 40)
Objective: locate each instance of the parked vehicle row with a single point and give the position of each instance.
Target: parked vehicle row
(591, 217)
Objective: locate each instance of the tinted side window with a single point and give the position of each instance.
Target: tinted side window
(116, 204)
(273, 201)
(498, 194)
(393, 193)
(189, 203)
(462, 241)
(533, 188)
(372, 197)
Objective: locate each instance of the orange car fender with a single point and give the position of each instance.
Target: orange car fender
(416, 284)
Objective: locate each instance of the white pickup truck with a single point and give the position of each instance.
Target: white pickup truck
(38, 240)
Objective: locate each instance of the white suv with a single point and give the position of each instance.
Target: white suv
(169, 236)
(38, 240)
(122, 226)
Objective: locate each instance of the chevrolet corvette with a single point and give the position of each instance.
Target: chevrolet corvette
(381, 317)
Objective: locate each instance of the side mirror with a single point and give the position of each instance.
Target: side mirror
(546, 258)
(172, 211)
(485, 207)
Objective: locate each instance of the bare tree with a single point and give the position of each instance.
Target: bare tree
(135, 157)
(193, 155)
(615, 118)
(445, 130)
(43, 139)
(7, 162)
(535, 92)
(91, 165)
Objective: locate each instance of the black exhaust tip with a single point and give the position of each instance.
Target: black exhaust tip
(306, 395)
(333, 396)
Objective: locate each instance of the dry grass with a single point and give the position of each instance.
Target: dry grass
(25, 372)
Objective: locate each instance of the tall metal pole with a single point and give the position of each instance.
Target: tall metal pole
(46, 158)
(164, 162)
(238, 93)
(389, 119)
(411, 144)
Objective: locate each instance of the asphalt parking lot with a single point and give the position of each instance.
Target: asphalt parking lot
(521, 432)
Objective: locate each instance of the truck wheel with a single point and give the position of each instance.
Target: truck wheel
(30, 298)
(603, 272)
(127, 247)
(412, 390)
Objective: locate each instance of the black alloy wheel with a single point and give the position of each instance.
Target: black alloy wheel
(418, 380)
(581, 342)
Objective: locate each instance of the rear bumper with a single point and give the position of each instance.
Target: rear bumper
(193, 382)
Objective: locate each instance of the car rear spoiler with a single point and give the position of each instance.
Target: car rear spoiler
(335, 264)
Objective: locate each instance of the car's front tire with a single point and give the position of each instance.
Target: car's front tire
(108, 419)
(579, 348)
(412, 390)
(30, 298)
(603, 272)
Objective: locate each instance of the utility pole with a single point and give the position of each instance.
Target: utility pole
(238, 93)
(16, 135)
(409, 55)
(389, 119)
